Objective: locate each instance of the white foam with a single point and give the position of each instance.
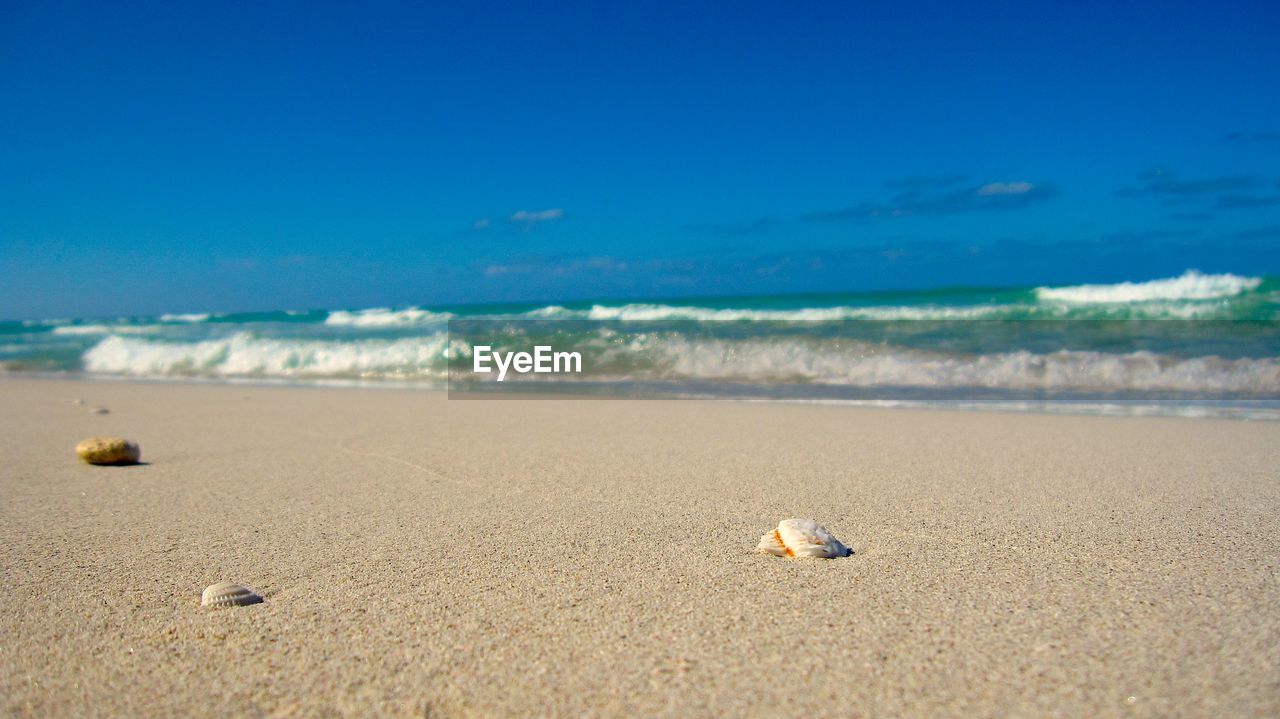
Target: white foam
(106, 329)
(553, 312)
(386, 317)
(190, 317)
(1192, 285)
(244, 355)
(648, 312)
(661, 356)
(868, 365)
(1121, 408)
(640, 312)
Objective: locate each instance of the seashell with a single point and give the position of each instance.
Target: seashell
(108, 450)
(99, 410)
(227, 594)
(802, 538)
(77, 401)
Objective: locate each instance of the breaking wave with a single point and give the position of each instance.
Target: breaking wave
(657, 313)
(1192, 285)
(879, 366)
(1191, 296)
(649, 313)
(244, 355)
(188, 317)
(383, 317)
(106, 329)
(678, 358)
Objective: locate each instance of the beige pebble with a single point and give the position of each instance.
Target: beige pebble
(108, 450)
(99, 410)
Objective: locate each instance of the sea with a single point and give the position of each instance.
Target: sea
(1198, 345)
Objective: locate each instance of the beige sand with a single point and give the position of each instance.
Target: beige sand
(426, 557)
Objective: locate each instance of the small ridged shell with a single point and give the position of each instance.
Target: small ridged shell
(227, 594)
(802, 538)
(108, 450)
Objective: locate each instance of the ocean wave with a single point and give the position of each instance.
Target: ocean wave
(678, 358)
(765, 342)
(191, 317)
(868, 365)
(554, 312)
(650, 313)
(1192, 285)
(245, 355)
(107, 329)
(385, 317)
(1011, 311)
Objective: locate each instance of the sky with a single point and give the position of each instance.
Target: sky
(175, 156)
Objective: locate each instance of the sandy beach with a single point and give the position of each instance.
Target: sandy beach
(427, 557)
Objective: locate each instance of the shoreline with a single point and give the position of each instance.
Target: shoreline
(1209, 409)
(563, 558)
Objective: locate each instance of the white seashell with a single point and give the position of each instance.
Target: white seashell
(77, 401)
(802, 538)
(108, 450)
(226, 594)
(99, 410)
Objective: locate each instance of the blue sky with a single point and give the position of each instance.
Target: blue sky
(216, 156)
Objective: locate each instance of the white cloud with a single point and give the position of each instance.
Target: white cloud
(1005, 188)
(532, 218)
(558, 268)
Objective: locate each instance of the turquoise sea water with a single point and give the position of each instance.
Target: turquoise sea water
(1198, 341)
